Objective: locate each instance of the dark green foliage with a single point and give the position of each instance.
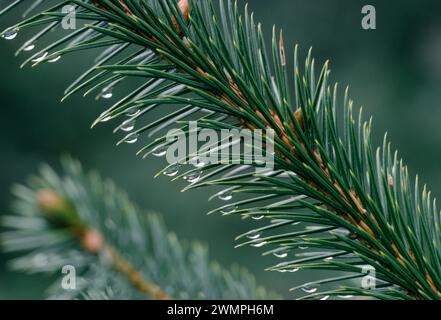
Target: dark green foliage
(357, 204)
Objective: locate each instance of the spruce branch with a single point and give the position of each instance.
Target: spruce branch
(59, 212)
(80, 220)
(357, 205)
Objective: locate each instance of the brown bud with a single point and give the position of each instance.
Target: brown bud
(51, 202)
(92, 241)
(299, 117)
(185, 8)
(282, 50)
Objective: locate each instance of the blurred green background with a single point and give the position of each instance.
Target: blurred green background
(393, 71)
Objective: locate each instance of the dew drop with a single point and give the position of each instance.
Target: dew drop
(259, 244)
(258, 217)
(294, 270)
(324, 298)
(107, 93)
(105, 119)
(303, 247)
(280, 254)
(29, 47)
(197, 162)
(225, 196)
(54, 59)
(253, 235)
(130, 139)
(200, 164)
(309, 288)
(128, 125)
(133, 112)
(172, 170)
(194, 177)
(328, 259)
(10, 34)
(160, 151)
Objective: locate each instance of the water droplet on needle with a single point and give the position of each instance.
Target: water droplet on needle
(309, 288)
(225, 196)
(10, 34)
(29, 47)
(130, 139)
(107, 93)
(194, 177)
(254, 235)
(128, 126)
(173, 170)
(54, 59)
(160, 151)
(280, 254)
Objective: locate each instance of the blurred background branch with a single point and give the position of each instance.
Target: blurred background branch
(115, 250)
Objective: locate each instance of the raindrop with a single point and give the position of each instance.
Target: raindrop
(29, 47)
(225, 196)
(194, 177)
(259, 217)
(160, 151)
(253, 235)
(328, 258)
(200, 164)
(107, 93)
(54, 59)
(280, 254)
(10, 34)
(294, 270)
(309, 288)
(128, 125)
(172, 170)
(133, 112)
(259, 244)
(197, 162)
(105, 119)
(132, 138)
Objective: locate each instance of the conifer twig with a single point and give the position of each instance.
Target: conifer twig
(356, 204)
(118, 252)
(57, 209)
